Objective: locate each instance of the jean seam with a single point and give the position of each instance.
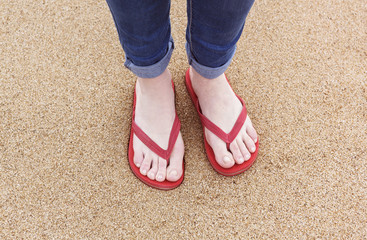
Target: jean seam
(190, 28)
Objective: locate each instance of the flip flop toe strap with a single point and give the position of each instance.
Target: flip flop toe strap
(165, 154)
(226, 137)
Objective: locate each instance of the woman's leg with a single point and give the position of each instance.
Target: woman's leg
(145, 35)
(144, 31)
(213, 30)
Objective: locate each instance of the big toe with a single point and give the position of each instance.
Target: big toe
(225, 160)
(174, 170)
(223, 157)
(250, 130)
(173, 174)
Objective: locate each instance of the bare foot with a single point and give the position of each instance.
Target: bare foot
(154, 114)
(219, 103)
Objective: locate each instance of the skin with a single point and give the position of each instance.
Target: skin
(155, 113)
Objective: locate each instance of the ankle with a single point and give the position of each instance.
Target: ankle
(196, 77)
(155, 94)
(154, 86)
(204, 86)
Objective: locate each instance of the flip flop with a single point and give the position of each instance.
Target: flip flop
(227, 138)
(165, 154)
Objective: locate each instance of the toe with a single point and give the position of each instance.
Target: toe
(174, 173)
(162, 166)
(245, 153)
(153, 171)
(138, 158)
(249, 143)
(236, 152)
(174, 170)
(222, 156)
(251, 132)
(145, 165)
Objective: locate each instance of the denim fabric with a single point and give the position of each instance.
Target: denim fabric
(213, 29)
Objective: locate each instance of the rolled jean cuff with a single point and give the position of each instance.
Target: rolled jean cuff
(154, 70)
(207, 72)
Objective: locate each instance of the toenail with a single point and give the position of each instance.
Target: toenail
(241, 160)
(143, 171)
(137, 164)
(174, 173)
(160, 177)
(253, 149)
(255, 140)
(151, 175)
(247, 156)
(226, 159)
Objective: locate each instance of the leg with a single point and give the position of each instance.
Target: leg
(212, 33)
(144, 32)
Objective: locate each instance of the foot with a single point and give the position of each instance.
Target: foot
(155, 114)
(219, 104)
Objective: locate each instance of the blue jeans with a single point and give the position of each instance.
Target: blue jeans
(213, 29)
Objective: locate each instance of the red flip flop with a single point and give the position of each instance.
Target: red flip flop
(227, 138)
(165, 154)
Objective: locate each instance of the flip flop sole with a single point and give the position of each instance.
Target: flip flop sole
(237, 168)
(165, 185)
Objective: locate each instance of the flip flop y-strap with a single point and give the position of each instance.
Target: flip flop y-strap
(165, 154)
(226, 137)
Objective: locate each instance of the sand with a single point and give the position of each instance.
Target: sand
(65, 114)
